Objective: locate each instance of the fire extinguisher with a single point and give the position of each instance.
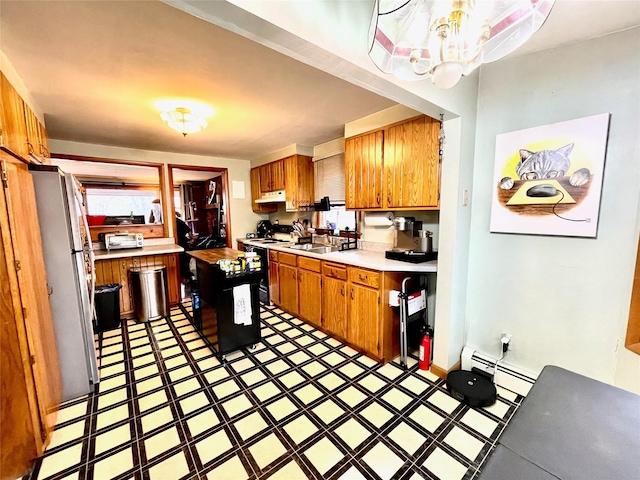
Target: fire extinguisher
(425, 352)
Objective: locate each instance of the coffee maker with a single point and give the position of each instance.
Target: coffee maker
(411, 242)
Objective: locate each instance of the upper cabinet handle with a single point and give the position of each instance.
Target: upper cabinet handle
(377, 198)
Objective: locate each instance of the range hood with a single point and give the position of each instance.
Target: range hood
(273, 197)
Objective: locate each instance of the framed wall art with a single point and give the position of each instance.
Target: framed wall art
(548, 179)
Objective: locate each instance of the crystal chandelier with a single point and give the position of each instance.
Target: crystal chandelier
(445, 39)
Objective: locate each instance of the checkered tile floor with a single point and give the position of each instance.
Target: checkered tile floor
(301, 405)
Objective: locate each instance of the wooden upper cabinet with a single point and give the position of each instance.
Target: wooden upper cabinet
(411, 164)
(397, 167)
(12, 120)
(298, 180)
(21, 133)
(293, 174)
(37, 139)
(363, 170)
(272, 176)
(256, 193)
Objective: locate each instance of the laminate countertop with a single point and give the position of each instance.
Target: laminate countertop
(358, 258)
(138, 252)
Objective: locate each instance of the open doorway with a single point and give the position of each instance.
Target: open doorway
(201, 207)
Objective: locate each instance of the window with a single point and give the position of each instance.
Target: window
(338, 218)
(177, 201)
(121, 201)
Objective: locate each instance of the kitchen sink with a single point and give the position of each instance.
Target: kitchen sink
(315, 248)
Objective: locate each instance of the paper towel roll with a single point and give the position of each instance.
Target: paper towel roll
(378, 219)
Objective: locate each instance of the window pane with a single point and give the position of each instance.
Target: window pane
(338, 218)
(121, 201)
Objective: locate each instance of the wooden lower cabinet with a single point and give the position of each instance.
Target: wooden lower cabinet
(117, 271)
(274, 279)
(310, 297)
(363, 325)
(29, 368)
(288, 288)
(334, 306)
(344, 301)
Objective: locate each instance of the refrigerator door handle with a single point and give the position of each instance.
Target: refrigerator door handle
(91, 254)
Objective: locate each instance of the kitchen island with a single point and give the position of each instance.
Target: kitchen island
(229, 312)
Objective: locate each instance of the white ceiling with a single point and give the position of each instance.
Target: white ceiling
(95, 68)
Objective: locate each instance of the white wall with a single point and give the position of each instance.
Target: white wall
(564, 300)
(243, 220)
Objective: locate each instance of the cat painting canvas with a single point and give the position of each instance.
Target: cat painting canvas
(548, 179)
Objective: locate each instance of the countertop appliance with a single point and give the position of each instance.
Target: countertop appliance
(411, 242)
(264, 227)
(114, 241)
(69, 263)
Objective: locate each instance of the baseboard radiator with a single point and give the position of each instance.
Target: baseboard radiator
(507, 376)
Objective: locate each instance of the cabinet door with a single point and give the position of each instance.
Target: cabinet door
(265, 178)
(274, 283)
(363, 170)
(299, 187)
(20, 220)
(33, 135)
(173, 278)
(288, 288)
(411, 164)
(277, 175)
(256, 193)
(45, 154)
(310, 293)
(14, 128)
(364, 319)
(334, 306)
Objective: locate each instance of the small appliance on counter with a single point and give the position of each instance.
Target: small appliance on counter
(113, 241)
(411, 242)
(264, 228)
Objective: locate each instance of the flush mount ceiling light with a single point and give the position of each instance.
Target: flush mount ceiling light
(184, 116)
(445, 39)
(182, 120)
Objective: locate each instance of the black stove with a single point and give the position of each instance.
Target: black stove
(410, 256)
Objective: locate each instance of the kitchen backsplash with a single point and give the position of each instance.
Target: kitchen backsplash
(287, 218)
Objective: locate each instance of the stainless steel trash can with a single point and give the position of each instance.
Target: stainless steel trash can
(150, 292)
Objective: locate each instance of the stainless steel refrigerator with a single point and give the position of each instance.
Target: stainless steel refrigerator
(69, 262)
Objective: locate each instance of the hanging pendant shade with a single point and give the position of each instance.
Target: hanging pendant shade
(445, 39)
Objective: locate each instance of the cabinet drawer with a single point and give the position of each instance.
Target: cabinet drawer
(287, 258)
(364, 277)
(273, 256)
(334, 270)
(312, 264)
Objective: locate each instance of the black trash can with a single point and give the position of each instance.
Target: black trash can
(108, 306)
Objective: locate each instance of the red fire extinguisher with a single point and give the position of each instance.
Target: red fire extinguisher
(425, 352)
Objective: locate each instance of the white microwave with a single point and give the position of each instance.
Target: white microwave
(114, 241)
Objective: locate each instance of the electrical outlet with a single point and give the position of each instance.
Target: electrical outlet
(505, 340)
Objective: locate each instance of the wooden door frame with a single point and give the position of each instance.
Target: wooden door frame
(159, 166)
(225, 193)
